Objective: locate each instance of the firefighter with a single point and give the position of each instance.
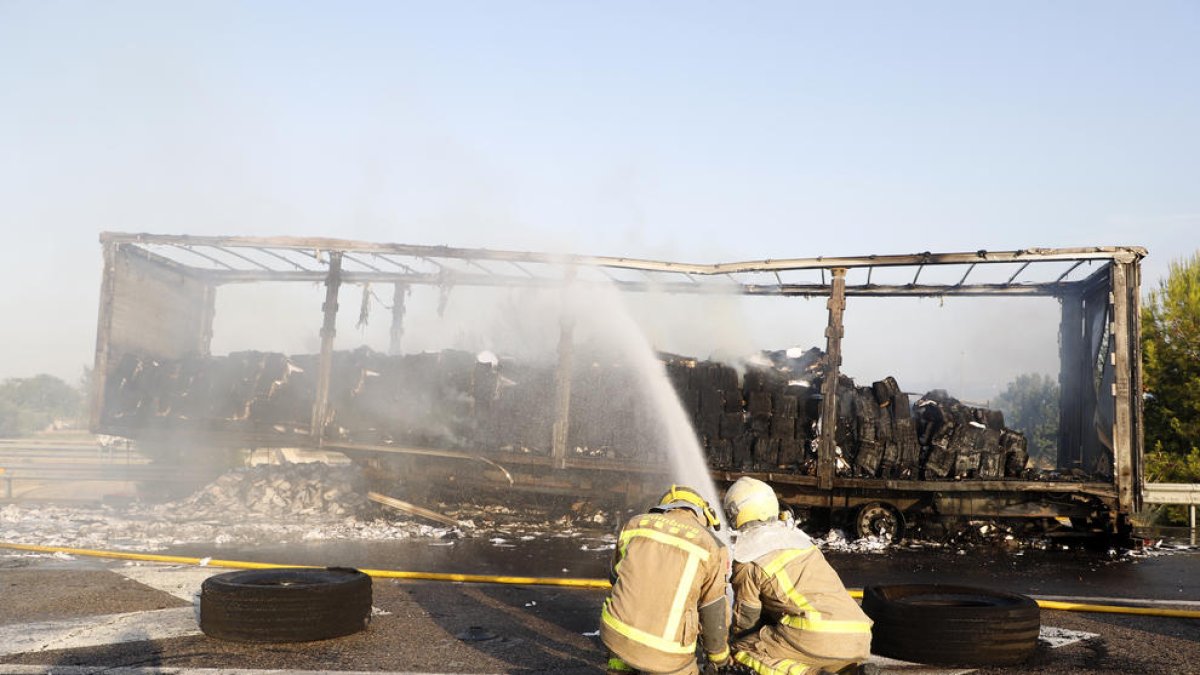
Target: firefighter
(791, 613)
(669, 579)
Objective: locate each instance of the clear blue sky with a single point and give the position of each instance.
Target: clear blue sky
(689, 130)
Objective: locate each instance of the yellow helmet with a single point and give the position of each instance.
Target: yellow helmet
(748, 500)
(682, 497)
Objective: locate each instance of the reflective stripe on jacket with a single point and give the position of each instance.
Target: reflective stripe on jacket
(666, 566)
(797, 589)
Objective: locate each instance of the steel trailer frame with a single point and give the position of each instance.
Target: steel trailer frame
(1098, 288)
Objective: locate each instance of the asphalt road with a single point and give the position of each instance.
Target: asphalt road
(64, 603)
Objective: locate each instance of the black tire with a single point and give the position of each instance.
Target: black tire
(952, 625)
(285, 605)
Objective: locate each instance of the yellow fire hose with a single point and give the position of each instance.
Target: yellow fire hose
(380, 574)
(520, 581)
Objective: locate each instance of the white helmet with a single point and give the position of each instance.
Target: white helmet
(748, 500)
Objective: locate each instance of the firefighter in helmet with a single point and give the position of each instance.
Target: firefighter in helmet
(791, 613)
(669, 578)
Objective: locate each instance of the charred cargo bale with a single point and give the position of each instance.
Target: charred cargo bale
(783, 427)
(885, 390)
(844, 433)
(710, 410)
(743, 451)
(522, 415)
(867, 450)
(1013, 444)
(992, 456)
(991, 464)
(732, 425)
(965, 444)
(938, 462)
(720, 453)
(427, 399)
(290, 399)
(759, 403)
(766, 452)
(976, 437)
(791, 453)
(869, 456)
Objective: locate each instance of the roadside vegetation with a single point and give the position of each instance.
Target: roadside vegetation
(30, 405)
(1030, 405)
(1171, 377)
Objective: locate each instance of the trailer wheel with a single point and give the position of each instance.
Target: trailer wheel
(952, 625)
(879, 519)
(285, 605)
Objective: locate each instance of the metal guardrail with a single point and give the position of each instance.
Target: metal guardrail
(43, 473)
(1171, 493)
(37, 461)
(1175, 494)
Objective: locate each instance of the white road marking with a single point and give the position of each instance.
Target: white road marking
(95, 631)
(1061, 637)
(181, 582)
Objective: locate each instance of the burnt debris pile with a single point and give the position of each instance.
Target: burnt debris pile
(765, 418)
(289, 489)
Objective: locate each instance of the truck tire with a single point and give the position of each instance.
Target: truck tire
(285, 605)
(879, 519)
(952, 625)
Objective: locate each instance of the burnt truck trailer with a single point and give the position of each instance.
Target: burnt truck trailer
(861, 452)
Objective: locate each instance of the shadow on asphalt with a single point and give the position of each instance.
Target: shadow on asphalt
(531, 629)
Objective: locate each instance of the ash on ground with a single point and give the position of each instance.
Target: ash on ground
(315, 502)
(280, 504)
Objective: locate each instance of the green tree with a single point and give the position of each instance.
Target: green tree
(1030, 405)
(30, 404)
(1171, 374)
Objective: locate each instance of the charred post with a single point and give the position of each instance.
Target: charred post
(399, 298)
(562, 393)
(1123, 418)
(103, 332)
(829, 387)
(1074, 372)
(333, 283)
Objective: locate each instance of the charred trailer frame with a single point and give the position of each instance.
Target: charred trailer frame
(157, 302)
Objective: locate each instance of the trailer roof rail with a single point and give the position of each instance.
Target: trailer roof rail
(225, 259)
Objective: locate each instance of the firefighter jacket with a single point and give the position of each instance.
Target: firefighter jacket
(670, 575)
(781, 578)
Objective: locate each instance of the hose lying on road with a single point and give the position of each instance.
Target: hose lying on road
(522, 581)
(1102, 609)
(379, 574)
